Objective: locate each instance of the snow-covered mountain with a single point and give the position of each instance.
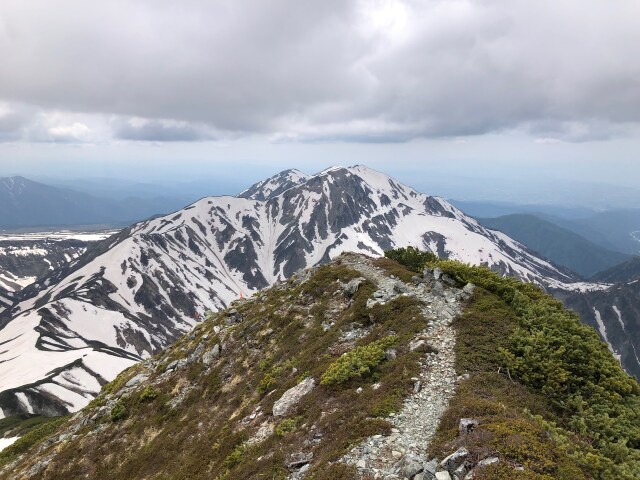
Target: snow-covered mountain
(136, 292)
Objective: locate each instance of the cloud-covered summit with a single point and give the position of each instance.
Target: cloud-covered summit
(364, 71)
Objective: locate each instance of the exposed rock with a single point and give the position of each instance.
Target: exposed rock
(437, 273)
(352, 287)
(298, 460)
(488, 461)
(412, 465)
(443, 476)
(448, 280)
(454, 460)
(292, 397)
(209, 357)
(469, 288)
(136, 380)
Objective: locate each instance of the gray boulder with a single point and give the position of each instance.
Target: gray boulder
(292, 397)
(141, 377)
(209, 357)
(454, 460)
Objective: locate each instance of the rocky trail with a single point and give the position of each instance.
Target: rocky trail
(402, 454)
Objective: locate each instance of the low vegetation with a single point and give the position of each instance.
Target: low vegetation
(549, 394)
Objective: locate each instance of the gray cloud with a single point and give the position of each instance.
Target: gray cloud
(362, 71)
(160, 131)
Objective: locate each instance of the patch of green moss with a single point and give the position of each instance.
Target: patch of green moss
(360, 361)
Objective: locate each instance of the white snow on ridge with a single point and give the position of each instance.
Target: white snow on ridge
(58, 235)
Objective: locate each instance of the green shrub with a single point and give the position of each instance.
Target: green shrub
(148, 394)
(358, 362)
(412, 258)
(287, 425)
(119, 411)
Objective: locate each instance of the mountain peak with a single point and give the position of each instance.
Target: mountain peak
(275, 185)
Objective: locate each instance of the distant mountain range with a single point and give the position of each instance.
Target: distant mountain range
(558, 244)
(25, 203)
(616, 230)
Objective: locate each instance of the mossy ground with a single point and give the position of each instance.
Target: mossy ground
(548, 394)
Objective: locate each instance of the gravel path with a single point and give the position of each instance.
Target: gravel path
(392, 457)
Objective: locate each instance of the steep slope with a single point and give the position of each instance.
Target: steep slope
(622, 273)
(561, 246)
(140, 290)
(359, 369)
(615, 314)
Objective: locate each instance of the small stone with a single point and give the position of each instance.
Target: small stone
(361, 464)
(396, 454)
(443, 476)
(467, 425)
(437, 273)
(488, 461)
(359, 390)
(454, 460)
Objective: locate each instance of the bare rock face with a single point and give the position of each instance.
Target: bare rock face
(292, 397)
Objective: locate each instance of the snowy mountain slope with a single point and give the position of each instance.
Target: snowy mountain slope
(139, 290)
(25, 258)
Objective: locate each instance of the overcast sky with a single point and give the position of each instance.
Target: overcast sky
(159, 88)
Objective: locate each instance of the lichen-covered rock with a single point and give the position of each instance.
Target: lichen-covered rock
(292, 397)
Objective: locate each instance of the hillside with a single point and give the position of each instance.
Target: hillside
(137, 292)
(561, 246)
(361, 369)
(628, 271)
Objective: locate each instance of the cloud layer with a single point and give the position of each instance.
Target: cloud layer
(363, 71)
